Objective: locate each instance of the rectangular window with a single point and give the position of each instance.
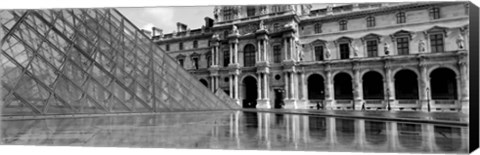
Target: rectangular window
(435, 13)
(195, 44)
(401, 18)
(167, 47)
(371, 21)
(372, 48)
(226, 58)
(277, 54)
(343, 25)
(402, 46)
(180, 46)
(317, 28)
(250, 11)
(436, 42)
(227, 13)
(344, 51)
(318, 53)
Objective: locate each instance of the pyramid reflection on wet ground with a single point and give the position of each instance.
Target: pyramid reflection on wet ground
(90, 61)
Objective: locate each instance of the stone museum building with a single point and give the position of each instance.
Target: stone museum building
(368, 56)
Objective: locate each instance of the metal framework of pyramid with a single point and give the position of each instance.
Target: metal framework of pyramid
(90, 61)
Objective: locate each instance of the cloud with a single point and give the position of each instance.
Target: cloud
(161, 17)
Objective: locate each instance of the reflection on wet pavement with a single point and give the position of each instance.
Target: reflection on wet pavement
(238, 130)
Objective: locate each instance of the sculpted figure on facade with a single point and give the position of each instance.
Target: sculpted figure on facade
(355, 50)
(327, 52)
(329, 9)
(421, 46)
(234, 29)
(460, 41)
(215, 13)
(386, 48)
(261, 26)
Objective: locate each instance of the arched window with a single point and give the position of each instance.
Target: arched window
(249, 55)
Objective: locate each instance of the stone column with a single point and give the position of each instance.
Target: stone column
(265, 42)
(285, 76)
(358, 89)
(424, 84)
(231, 86)
(217, 55)
(329, 92)
(285, 43)
(465, 83)
(259, 88)
(304, 86)
(390, 89)
(236, 87)
(212, 81)
(257, 56)
(231, 54)
(292, 48)
(266, 87)
(292, 86)
(235, 50)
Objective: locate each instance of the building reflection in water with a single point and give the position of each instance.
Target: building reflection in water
(238, 130)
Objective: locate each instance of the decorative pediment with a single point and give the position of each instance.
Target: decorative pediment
(180, 56)
(343, 39)
(194, 55)
(437, 29)
(371, 36)
(318, 42)
(402, 33)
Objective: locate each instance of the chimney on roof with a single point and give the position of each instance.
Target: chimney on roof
(208, 22)
(147, 32)
(157, 32)
(181, 27)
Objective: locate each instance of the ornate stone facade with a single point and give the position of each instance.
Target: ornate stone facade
(396, 63)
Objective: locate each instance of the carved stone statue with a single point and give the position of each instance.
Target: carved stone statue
(355, 51)
(327, 53)
(300, 55)
(215, 13)
(215, 36)
(386, 48)
(421, 46)
(460, 41)
(329, 9)
(235, 29)
(261, 26)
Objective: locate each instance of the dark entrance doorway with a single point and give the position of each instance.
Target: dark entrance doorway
(278, 102)
(443, 84)
(372, 86)
(406, 85)
(316, 87)
(343, 87)
(250, 91)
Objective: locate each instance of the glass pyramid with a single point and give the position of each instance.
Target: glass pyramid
(90, 61)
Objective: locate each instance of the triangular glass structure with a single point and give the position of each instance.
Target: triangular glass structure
(90, 61)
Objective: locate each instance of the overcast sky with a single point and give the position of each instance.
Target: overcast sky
(166, 18)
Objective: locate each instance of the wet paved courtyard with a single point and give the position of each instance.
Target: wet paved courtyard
(238, 130)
